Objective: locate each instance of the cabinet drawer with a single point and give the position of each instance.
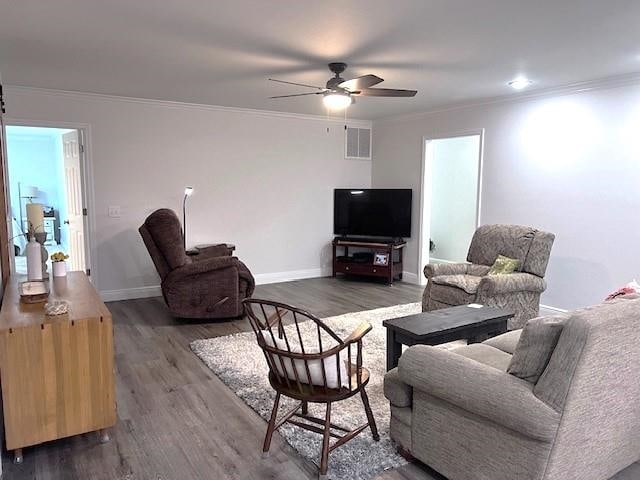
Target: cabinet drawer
(361, 269)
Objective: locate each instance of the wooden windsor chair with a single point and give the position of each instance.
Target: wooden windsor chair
(308, 362)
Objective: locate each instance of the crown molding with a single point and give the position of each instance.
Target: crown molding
(569, 89)
(184, 105)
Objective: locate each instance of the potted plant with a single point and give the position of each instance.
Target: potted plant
(59, 264)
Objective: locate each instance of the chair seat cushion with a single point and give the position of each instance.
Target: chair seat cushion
(396, 391)
(485, 354)
(478, 270)
(506, 342)
(468, 283)
(455, 289)
(296, 369)
(450, 296)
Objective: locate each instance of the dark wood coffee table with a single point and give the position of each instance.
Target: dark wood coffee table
(442, 326)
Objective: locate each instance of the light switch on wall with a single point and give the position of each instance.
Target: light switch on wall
(114, 212)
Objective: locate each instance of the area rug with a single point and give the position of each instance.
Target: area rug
(238, 362)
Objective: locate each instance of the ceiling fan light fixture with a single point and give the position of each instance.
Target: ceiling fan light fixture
(520, 83)
(336, 100)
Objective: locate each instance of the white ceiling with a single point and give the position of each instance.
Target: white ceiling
(222, 52)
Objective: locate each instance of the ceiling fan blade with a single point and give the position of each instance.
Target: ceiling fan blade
(387, 92)
(298, 95)
(359, 83)
(298, 84)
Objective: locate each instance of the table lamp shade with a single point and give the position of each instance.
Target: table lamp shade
(28, 191)
(35, 216)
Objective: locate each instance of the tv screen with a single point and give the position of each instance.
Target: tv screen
(379, 212)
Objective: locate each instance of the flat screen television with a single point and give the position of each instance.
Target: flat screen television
(375, 212)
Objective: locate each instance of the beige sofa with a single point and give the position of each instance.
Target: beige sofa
(460, 412)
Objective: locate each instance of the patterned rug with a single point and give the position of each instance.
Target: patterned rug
(238, 362)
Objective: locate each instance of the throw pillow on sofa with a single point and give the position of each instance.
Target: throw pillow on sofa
(536, 345)
(630, 291)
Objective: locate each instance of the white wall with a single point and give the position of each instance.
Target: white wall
(452, 173)
(569, 164)
(263, 181)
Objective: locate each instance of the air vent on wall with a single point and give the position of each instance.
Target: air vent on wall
(357, 143)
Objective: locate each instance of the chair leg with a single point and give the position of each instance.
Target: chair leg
(324, 459)
(271, 427)
(370, 418)
(305, 408)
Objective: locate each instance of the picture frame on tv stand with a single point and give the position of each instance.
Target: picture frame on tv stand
(381, 259)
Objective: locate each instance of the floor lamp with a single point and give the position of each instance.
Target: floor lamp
(29, 193)
(187, 193)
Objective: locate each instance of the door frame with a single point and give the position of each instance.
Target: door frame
(423, 252)
(86, 171)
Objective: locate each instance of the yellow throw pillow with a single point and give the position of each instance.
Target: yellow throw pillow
(504, 265)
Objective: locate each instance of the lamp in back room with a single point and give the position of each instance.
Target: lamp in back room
(188, 191)
(29, 192)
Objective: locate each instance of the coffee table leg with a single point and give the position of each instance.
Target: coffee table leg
(394, 350)
(504, 328)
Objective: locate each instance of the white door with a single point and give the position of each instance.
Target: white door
(74, 220)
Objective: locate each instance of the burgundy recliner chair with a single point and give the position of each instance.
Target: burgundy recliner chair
(211, 284)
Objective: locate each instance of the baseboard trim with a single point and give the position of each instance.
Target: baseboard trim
(130, 293)
(261, 279)
(440, 260)
(290, 276)
(555, 309)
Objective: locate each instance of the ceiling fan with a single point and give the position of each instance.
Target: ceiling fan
(339, 93)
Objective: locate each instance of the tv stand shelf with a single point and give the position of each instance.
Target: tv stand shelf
(349, 265)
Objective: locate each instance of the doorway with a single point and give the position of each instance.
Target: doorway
(45, 169)
(451, 174)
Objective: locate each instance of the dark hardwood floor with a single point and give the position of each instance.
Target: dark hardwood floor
(177, 421)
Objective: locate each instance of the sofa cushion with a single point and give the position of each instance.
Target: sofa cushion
(506, 342)
(485, 354)
(537, 341)
(396, 391)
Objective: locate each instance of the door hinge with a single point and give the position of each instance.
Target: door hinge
(84, 212)
(2, 109)
(88, 272)
(81, 147)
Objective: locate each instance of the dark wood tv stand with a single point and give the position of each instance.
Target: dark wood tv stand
(347, 265)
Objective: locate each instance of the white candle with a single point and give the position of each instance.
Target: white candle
(35, 216)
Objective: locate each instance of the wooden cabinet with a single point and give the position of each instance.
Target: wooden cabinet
(57, 372)
(349, 265)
